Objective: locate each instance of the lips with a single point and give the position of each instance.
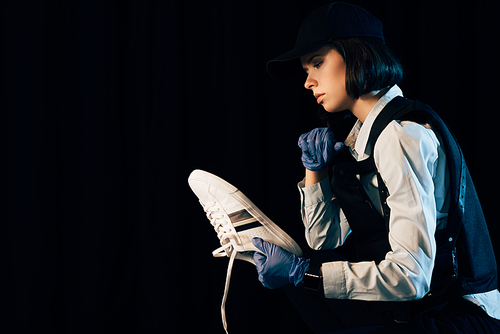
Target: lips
(319, 97)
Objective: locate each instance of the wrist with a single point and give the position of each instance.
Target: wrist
(313, 277)
(313, 177)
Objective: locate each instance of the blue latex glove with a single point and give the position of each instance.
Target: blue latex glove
(278, 267)
(318, 147)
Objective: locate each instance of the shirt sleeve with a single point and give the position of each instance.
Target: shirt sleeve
(406, 156)
(325, 224)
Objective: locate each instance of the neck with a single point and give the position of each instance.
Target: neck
(363, 105)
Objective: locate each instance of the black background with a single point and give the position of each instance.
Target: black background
(111, 104)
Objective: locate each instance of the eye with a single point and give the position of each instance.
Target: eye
(318, 64)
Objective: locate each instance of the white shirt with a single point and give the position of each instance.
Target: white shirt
(412, 163)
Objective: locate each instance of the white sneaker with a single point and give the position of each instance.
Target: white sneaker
(236, 220)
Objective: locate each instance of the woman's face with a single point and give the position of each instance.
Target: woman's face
(326, 79)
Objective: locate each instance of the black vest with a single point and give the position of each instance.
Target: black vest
(465, 262)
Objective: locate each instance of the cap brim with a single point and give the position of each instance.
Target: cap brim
(288, 64)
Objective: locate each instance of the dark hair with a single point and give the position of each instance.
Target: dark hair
(370, 64)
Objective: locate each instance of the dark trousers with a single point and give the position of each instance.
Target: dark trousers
(324, 315)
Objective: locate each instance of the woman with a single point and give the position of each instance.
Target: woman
(389, 248)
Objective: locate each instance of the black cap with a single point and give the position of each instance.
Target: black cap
(322, 25)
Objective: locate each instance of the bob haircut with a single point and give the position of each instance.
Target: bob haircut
(370, 64)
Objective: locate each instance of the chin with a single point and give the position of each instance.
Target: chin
(333, 110)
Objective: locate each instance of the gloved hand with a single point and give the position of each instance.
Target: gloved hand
(318, 147)
(278, 267)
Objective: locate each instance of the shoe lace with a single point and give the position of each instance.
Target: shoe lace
(221, 225)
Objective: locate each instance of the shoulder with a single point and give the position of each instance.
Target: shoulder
(408, 138)
(407, 131)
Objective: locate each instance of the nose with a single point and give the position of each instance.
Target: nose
(310, 82)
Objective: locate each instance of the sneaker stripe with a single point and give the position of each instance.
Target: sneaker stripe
(244, 222)
(239, 216)
(248, 226)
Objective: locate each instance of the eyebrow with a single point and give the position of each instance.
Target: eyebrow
(310, 60)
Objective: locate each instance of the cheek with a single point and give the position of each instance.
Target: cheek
(340, 78)
(335, 76)
(339, 100)
(337, 84)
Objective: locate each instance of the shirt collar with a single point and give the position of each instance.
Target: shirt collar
(358, 137)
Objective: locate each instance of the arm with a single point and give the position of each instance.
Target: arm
(326, 226)
(321, 214)
(406, 157)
